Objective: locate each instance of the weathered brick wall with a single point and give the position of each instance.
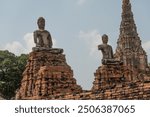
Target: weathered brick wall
(117, 89)
(47, 73)
(129, 91)
(48, 76)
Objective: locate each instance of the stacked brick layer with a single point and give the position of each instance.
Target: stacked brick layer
(47, 74)
(107, 76)
(126, 91)
(111, 82)
(114, 82)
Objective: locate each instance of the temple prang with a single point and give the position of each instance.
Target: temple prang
(129, 48)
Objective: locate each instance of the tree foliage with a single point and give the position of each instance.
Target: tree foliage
(11, 69)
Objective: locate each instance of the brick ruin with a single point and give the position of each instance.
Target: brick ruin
(48, 76)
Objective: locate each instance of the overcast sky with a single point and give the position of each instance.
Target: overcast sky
(75, 25)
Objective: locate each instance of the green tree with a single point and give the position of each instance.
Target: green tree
(11, 69)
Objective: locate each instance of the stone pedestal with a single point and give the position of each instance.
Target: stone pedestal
(108, 76)
(47, 74)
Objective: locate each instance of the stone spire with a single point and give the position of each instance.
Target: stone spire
(128, 27)
(129, 48)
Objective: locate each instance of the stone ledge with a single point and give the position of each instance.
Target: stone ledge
(51, 50)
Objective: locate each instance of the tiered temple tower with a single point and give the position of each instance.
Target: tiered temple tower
(129, 49)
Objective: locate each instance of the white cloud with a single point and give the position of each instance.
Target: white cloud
(92, 39)
(54, 42)
(29, 42)
(81, 2)
(146, 47)
(18, 48)
(14, 47)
